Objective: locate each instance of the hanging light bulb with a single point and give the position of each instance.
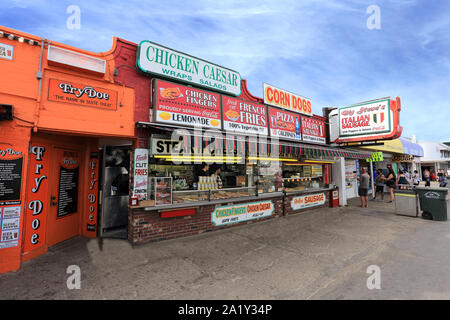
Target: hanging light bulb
(21, 39)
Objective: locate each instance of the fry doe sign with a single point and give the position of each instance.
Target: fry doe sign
(161, 61)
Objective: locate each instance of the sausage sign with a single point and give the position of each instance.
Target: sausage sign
(367, 118)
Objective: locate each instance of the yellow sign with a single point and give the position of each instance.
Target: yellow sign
(376, 157)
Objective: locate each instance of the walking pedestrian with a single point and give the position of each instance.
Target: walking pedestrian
(427, 177)
(442, 180)
(390, 183)
(402, 180)
(379, 184)
(364, 188)
(416, 178)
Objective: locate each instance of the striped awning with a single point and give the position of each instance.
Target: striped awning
(238, 142)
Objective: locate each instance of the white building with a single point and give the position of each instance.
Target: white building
(436, 156)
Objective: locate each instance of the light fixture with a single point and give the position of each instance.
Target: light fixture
(11, 37)
(318, 161)
(21, 39)
(30, 42)
(1, 34)
(270, 159)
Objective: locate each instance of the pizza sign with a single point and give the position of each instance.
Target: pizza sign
(284, 124)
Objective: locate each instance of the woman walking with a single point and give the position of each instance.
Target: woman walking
(390, 183)
(402, 180)
(427, 178)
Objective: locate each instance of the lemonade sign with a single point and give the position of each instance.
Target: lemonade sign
(161, 61)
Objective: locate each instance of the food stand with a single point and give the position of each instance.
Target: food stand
(232, 158)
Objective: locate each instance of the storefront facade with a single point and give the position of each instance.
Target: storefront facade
(91, 145)
(64, 106)
(212, 156)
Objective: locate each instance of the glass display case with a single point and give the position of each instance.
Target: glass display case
(190, 196)
(162, 190)
(269, 176)
(232, 193)
(299, 177)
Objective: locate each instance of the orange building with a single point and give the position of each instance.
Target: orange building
(62, 120)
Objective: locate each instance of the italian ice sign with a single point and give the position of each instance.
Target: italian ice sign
(313, 130)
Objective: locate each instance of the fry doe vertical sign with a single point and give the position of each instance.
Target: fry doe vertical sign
(164, 62)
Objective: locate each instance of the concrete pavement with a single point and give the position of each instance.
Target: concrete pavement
(318, 254)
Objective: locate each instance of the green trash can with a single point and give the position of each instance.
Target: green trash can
(434, 202)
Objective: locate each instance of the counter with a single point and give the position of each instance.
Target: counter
(148, 223)
(155, 223)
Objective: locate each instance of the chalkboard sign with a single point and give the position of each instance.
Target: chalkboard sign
(67, 192)
(10, 179)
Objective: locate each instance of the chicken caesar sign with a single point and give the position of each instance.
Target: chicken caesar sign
(164, 62)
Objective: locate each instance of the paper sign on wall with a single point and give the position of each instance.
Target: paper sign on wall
(140, 173)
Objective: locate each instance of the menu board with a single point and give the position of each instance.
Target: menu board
(284, 124)
(163, 191)
(10, 180)
(313, 130)
(68, 191)
(9, 226)
(186, 106)
(244, 117)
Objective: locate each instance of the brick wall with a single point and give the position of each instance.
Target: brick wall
(147, 226)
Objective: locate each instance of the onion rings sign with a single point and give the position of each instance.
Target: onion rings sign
(241, 212)
(365, 119)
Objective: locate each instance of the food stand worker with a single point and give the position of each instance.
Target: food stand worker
(200, 171)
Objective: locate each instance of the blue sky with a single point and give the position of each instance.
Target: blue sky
(320, 49)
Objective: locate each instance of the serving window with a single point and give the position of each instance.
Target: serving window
(221, 174)
(305, 175)
(218, 174)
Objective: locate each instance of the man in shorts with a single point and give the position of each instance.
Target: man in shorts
(363, 190)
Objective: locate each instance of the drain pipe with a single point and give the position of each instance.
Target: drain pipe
(39, 76)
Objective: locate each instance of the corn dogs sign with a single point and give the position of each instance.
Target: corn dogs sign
(281, 98)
